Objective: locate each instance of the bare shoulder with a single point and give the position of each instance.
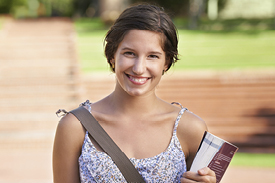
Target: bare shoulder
(190, 124)
(70, 126)
(68, 141)
(190, 132)
(69, 135)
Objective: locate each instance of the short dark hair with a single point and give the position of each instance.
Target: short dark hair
(143, 17)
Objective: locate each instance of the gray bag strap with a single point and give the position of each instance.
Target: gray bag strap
(125, 166)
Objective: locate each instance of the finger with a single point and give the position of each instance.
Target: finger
(206, 171)
(190, 177)
(207, 175)
(185, 180)
(199, 179)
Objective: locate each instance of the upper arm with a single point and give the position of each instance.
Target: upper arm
(68, 141)
(190, 132)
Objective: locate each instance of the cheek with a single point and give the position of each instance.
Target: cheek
(156, 68)
(122, 63)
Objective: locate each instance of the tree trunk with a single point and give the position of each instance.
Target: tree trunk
(196, 8)
(110, 9)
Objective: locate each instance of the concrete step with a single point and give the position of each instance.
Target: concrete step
(243, 130)
(35, 94)
(254, 121)
(51, 106)
(26, 81)
(28, 121)
(27, 139)
(38, 40)
(25, 102)
(39, 62)
(35, 71)
(251, 141)
(38, 76)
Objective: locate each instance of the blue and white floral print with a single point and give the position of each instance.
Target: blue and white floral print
(168, 166)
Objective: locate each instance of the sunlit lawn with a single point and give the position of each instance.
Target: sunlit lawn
(202, 50)
(197, 49)
(91, 52)
(254, 160)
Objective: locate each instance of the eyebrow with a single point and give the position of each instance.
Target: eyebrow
(152, 52)
(127, 48)
(156, 53)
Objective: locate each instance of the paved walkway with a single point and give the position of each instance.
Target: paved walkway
(38, 75)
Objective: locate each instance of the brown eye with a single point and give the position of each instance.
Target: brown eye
(129, 54)
(153, 56)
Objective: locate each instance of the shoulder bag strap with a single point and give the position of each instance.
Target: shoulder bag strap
(125, 166)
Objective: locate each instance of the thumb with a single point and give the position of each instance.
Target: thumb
(206, 171)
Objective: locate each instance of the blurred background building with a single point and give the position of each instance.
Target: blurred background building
(110, 9)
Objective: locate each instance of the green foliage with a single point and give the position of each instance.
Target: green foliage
(31, 8)
(7, 6)
(253, 160)
(177, 7)
(62, 7)
(248, 25)
(238, 24)
(173, 8)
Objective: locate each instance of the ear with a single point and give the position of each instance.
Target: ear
(112, 62)
(165, 67)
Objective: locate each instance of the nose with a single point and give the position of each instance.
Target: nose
(139, 66)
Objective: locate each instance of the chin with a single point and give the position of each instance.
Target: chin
(135, 93)
(138, 93)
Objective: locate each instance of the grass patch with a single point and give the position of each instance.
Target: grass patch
(91, 33)
(226, 50)
(213, 50)
(253, 160)
(83, 25)
(91, 51)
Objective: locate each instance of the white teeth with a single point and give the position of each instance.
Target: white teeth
(138, 80)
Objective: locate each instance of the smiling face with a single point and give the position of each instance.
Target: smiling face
(139, 62)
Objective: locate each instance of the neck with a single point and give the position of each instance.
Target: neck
(133, 105)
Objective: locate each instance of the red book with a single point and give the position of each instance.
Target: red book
(214, 153)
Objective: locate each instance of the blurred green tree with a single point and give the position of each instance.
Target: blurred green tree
(174, 7)
(5, 6)
(86, 8)
(192, 10)
(30, 8)
(196, 9)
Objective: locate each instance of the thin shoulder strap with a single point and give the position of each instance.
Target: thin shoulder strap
(125, 166)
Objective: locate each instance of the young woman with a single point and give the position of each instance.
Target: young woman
(160, 138)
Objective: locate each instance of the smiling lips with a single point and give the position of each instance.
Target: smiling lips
(137, 80)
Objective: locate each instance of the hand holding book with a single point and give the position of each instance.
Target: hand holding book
(203, 175)
(214, 153)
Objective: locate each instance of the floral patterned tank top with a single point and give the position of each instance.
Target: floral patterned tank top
(168, 166)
